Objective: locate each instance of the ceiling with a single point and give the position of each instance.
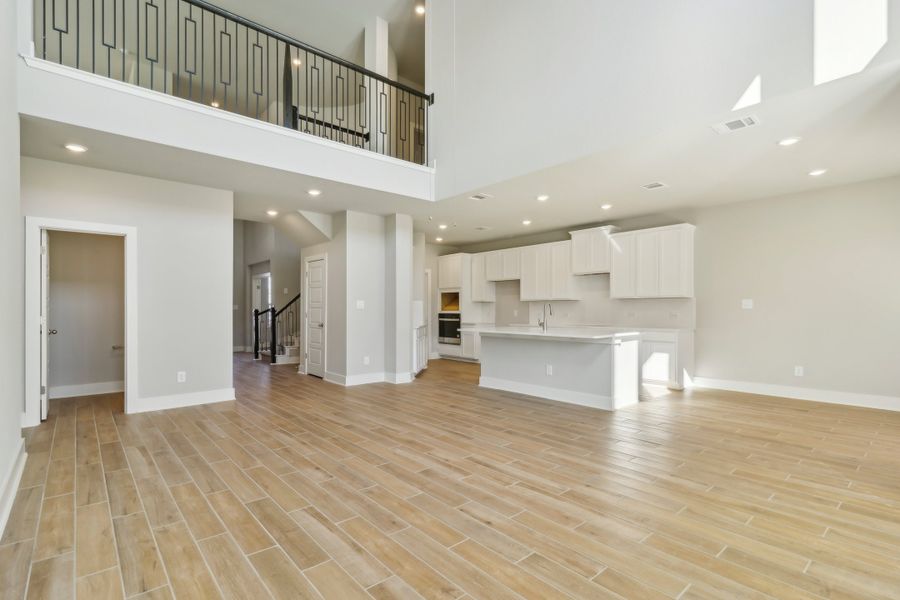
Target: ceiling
(849, 127)
(337, 27)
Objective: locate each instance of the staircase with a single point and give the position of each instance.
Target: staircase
(276, 334)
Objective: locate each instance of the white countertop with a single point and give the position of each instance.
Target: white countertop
(581, 334)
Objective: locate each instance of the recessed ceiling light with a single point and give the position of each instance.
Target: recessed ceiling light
(543, 198)
(77, 148)
(442, 226)
(214, 104)
(272, 213)
(314, 192)
(817, 172)
(297, 62)
(606, 206)
(439, 239)
(526, 222)
(790, 141)
(420, 9)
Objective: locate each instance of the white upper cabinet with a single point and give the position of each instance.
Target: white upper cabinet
(503, 265)
(591, 250)
(482, 289)
(450, 271)
(653, 263)
(546, 272)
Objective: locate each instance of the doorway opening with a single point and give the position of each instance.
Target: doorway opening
(81, 294)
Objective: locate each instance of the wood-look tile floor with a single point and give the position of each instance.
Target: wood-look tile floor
(439, 489)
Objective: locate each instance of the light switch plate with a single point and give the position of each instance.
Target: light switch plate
(747, 303)
(285, 290)
(798, 371)
(361, 304)
(181, 376)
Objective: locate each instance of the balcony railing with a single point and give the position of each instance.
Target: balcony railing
(199, 52)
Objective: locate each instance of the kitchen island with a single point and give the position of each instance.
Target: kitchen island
(591, 366)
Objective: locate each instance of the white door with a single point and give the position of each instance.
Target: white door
(45, 325)
(315, 317)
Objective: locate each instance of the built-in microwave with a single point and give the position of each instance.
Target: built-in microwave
(448, 328)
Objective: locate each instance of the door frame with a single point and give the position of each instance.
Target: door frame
(33, 227)
(304, 289)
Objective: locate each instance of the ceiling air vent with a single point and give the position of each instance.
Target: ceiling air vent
(482, 228)
(654, 186)
(480, 196)
(736, 124)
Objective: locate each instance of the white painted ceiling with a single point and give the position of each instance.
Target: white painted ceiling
(337, 27)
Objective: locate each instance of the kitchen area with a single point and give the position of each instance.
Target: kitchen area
(585, 320)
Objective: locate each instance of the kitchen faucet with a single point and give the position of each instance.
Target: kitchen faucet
(542, 322)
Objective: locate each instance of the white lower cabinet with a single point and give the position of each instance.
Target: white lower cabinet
(653, 263)
(546, 272)
(471, 345)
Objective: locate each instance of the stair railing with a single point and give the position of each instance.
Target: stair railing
(276, 329)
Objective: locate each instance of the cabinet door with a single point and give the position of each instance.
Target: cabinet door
(622, 266)
(528, 288)
(581, 252)
(511, 259)
(494, 265)
(672, 264)
(449, 269)
(600, 251)
(467, 349)
(544, 272)
(482, 289)
(647, 256)
(561, 285)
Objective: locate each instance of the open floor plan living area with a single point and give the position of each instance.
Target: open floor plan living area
(450, 299)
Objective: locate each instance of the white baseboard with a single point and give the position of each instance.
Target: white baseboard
(179, 400)
(398, 377)
(549, 393)
(801, 393)
(366, 378)
(86, 389)
(434, 356)
(10, 484)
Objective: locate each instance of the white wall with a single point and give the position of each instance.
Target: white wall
(821, 268)
(544, 83)
(240, 314)
(87, 309)
(185, 266)
(12, 369)
(399, 262)
(366, 283)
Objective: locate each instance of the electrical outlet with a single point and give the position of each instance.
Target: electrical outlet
(181, 376)
(515, 312)
(360, 304)
(549, 369)
(365, 360)
(747, 303)
(673, 315)
(798, 371)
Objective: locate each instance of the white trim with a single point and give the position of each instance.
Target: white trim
(549, 393)
(398, 377)
(363, 379)
(33, 227)
(801, 393)
(134, 90)
(86, 389)
(435, 356)
(335, 378)
(11, 484)
(181, 400)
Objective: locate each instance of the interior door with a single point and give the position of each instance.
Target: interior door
(315, 317)
(45, 327)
